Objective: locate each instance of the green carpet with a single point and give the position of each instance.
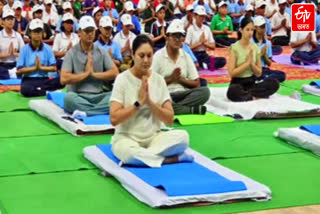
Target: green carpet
(208, 118)
(293, 179)
(11, 101)
(297, 84)
(22, 124)
(42, 154)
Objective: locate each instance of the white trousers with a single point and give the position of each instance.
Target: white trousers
(164, 144)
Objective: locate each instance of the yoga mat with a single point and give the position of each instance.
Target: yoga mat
(313, 129)
(200, 179)
(297, 84)
(285, 59)
(43, 154)
(243, 138)
(58, 98)
(217, 72)
(10, 82)
(12, 101)
(22, 124)
(311, 99)
(208, 118)
(315, 83)
(293, 179)
(5, 88)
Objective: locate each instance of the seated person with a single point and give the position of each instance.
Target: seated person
(266, 51)
(249, 13)
(206, 6)
(97, 15)
(318, 24)
(244, 67)
(148, 16)
(47, 36)
(169, 9)
(20, 24)
(67, 8)
(158, 28)
(281, 25)
(222, 27)
(85, 69)
(305, 46)
(65, 40)
(136, 28)
(236, 12)
(10, 45)
(272, 8)
(111, 12)
(199, 38)
(105, 40)
(50, 16)
(189, 19)
(180, 73)
(125, 38)
(35, 61)
(139, 104)
(178, 8)
(89, 5)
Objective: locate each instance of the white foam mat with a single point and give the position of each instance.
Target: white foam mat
(310, 89)
(53, 112)
(158, 198)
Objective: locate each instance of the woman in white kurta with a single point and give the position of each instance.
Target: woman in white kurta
(139, 103)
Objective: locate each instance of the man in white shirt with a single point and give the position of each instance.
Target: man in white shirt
(49, 16)
(281, 25)
(180, 73)
(178, 8)
(305, 46)
(271, 8)
(189, 19)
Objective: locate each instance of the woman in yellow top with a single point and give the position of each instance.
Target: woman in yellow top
(245, 66)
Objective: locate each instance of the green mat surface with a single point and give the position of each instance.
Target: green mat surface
(208, 118)
(42, 154)
(22, 124)
(297, 84)
(11, 101)
(293, 179)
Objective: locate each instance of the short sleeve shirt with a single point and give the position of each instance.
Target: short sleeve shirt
(17, 41)
(194, 35)
(277, 20)
(301, 35)
(121, 39)
(219, 24)
(115, 48)
(61, 42)
(75, 62)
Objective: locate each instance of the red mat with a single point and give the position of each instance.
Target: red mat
(5, 88)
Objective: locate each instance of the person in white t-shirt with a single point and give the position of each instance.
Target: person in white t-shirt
(139, 104)
(189, 19)
(50, 17)
(180, 73)
(305, 46)
(178, 8)
(281, 25)
(65, 40)
(272, 8)
(125, 38)
(10, 45)
(199, 38)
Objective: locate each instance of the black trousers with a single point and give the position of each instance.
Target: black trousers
(4, 70)
(245, 89)
(224, 42)
(203, 57)
(34, 87)
(280, 40)
(272, 74)
(306, 58)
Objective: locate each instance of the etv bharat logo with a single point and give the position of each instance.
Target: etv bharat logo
(303, 17)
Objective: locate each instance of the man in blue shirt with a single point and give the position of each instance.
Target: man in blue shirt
(236, 11)
(105, 41)
(36, 59)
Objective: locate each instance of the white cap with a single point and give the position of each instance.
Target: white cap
(67, 16)
(48, 1)
(7, 13)
(200, 10)
(222, 3)
(259, 20)
(282, 1)
(249, 7)
(36, 8)
(159, 7)
(260, 3)
(17, 5)
(128, 6)
(36, 23)
(126, 19)
(87, 21)
(66, 5)
(176, 26)
(105, 22)
(189, 7)
(96, 10)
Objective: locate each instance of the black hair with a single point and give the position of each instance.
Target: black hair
(243, 24)
(140, 40)
(62, 27)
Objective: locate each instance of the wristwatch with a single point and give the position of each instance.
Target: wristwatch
(137, 104)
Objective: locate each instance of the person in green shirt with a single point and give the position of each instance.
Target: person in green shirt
(169, 10)
(77, 8)
(222, 27)
(244, 66)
